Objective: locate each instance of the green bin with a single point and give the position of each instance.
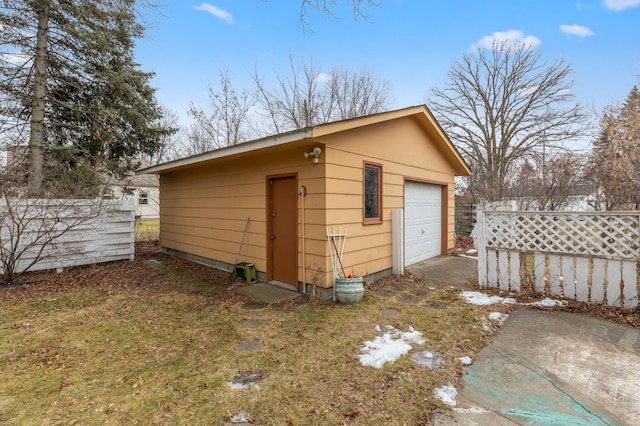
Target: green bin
(246, 271)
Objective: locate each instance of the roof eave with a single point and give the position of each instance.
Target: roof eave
(253, 145)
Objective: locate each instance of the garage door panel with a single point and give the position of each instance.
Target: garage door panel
(423, 221)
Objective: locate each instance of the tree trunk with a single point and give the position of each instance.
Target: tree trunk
(37, 127)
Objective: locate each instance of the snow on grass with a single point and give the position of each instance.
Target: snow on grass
(478, 298)
(467, 256)
(389, 347)
(498, 317)
(465, 360)
(547, 303)
(446, 394)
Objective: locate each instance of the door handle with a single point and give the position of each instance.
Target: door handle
(273, 237)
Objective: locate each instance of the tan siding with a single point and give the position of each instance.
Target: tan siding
(187, 213)
(204, 208)
(404, 151)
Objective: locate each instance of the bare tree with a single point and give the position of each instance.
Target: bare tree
(504, 105)
(297, 101)
(356, 94)
(196, 141)
(327, 8)
(170, 140)
(225, 122)
(548, 185)
(615, 158)
(308, 97)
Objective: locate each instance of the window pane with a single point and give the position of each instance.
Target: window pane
(371, 179)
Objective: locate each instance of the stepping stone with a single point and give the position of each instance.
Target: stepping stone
(247, 379)
(249, 323)
(436, 305)
(407, 298)
(249, 346)
(389, 312)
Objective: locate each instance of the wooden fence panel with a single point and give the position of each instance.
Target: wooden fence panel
(514, 271)
(598, 277)
(555, 284)
(612, 283)
(492, 272)
(503, 270)
(105, 233)
(568, 278)
(539, 279)
(630, 285)
(465, 217)
(583, 277)
(586, 256)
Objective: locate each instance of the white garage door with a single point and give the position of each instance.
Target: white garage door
(423, 219)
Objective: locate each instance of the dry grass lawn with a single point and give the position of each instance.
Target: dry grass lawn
(147, 229)
(124, 343)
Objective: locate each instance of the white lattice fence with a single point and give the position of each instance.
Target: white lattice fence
(592, 257)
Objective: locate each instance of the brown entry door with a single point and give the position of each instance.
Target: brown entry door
(283, 225)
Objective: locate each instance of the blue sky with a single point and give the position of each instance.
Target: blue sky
(409, 43)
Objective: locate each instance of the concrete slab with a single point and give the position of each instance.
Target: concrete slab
(546, 368)
(268, 293)
(453, 271)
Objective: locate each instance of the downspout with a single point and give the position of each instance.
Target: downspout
(303, 193)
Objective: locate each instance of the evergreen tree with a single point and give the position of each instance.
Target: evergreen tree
(70, 86)
(615, 162)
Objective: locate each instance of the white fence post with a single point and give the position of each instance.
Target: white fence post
(479, 236)
(397, 241)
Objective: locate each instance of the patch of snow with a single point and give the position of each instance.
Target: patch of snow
(472, 251)
(547, 303)
(485, 325)
(477, 298)
(241, 417)
(412, 336)
(377, 328)
(446, 394)
(468, 257)
(465, 360)
(389, 347)
(498, 317)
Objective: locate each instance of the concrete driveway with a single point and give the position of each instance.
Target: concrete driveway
(546, 367)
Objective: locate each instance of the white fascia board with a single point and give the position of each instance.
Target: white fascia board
(254, 145)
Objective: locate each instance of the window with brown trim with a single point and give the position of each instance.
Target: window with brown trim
(372, 193)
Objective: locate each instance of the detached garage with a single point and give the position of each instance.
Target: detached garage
(272, 201)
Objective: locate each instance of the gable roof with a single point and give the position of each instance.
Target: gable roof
(420, 113)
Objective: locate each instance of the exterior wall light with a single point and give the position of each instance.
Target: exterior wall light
(315, 154)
